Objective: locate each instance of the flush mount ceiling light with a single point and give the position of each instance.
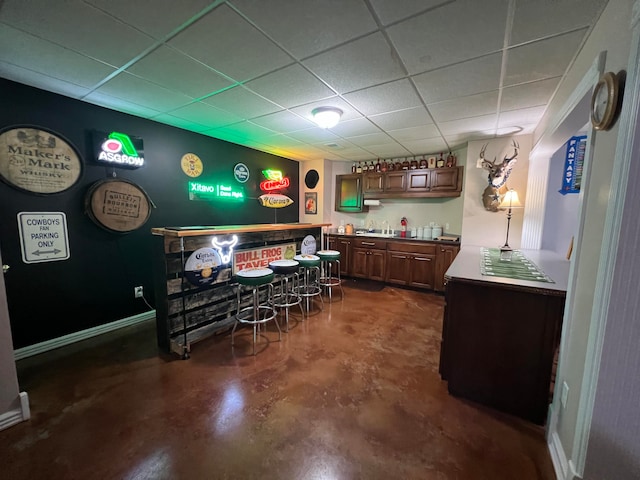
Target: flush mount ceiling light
(326, 117)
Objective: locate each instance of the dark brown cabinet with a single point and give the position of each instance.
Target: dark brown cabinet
(342, 245)
(445, 254)
(418, 183)
(411, 264)
(369, 259)
(349, 196)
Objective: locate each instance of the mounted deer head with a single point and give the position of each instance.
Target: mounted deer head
(498, 173)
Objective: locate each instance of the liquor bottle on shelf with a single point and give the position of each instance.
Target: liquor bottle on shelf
(384, 165)
(414, 164)
(451, 160)
(423, 162)
(405, 164)
(378, 167)
(440, 162)
(359, 168)
(353, 167)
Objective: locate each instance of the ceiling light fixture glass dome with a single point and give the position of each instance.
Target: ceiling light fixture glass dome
(326, 117)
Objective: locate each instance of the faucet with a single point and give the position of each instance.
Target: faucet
(388, 229)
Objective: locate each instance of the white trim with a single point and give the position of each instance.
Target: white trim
(17, 415)
(558, 457)
(54, 343)
(628, 122)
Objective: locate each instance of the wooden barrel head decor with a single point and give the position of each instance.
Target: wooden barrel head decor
(118, 205)
(36, 160)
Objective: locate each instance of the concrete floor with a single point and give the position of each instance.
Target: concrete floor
(351, 393)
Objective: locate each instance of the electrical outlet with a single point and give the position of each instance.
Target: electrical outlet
(564, 395)
(138, 292)
(446, 227)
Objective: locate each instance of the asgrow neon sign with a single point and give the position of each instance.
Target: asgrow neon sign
(216, 191)
(274, 181)
(119, 149)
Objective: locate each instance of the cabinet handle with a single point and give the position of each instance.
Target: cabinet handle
(369, 243)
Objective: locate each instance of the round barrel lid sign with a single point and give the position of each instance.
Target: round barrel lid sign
(37, 160)
(202, 266)
(118, 205)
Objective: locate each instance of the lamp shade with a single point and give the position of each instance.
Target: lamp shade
(326, 117)
(510, 200)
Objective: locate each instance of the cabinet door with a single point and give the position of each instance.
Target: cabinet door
(422, 270)
(395, 182)
(418, 180)
(359, 262)
(444, 258)
(376, 263)
(444, 179)
(344, 247)
(398, 268)
(373, 182)
(349, 193)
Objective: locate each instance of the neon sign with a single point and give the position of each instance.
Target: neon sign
(218, 192)
(275, 181)
(222, 246)
(119, 149)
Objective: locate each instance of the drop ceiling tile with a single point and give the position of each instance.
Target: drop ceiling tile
(471, 106)
(38, 80)
(314, 135)
(543, 59)
(458, 141)
(317, 25)
(205, 115)
(391, 11)
(175, 71)
(157, 19)
(180, 123)
(466, 78)
(426, 146)
(389, 97)
(388, 150)
(411, 117)
(414, 133)
(111, 41)
(370, 139)
(528, 94)
(290, 86)
(359, 64)
(283, 122)
(523, 116)
(229, 44)
(49, 59)
(449, 34)
(348, 112)
(120, 105)
(283, 142)
(468, 125)
(142, 92)
(353, 128)
(535, 20)
(242, 102)
(247, 130)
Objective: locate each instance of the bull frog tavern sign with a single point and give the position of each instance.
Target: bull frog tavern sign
(37, 160)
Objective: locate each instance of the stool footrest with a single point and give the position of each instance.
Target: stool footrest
(246, 314)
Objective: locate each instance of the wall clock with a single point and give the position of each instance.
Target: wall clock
(604, 101)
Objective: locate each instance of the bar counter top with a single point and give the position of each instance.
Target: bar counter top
(466, 266)
(195, 230)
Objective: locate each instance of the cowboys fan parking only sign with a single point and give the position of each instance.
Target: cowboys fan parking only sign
(43, 236)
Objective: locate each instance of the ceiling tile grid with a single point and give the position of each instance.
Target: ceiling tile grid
(411, 77)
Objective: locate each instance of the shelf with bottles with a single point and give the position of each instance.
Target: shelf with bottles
(418, 162)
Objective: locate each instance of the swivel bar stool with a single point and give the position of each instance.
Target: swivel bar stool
(309, 287)
(329, 259)
(287, 296)
(255, 314)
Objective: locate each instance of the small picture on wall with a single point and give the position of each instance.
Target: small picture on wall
(311, 203)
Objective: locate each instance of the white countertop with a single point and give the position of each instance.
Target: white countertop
(466, 266)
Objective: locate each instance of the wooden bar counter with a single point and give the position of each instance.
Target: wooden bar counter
(500, 335)
(192, 305)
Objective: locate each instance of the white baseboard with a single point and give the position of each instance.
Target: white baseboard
(54, 343)
(565, 470)
(13, 417)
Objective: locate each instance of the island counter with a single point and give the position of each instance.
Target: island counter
(500, 335)
(193, 269)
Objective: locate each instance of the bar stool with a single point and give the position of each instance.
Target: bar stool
(309, 288)
(255, 314)
(287, 296)
(329, 258)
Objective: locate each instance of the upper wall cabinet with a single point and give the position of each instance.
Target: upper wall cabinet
(349, 196)
(420, 183)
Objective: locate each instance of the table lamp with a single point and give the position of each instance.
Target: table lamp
(510, 200)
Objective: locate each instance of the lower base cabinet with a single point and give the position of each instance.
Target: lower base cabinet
(411, 264)
(369, 259)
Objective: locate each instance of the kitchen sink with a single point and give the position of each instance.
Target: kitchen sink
(374, 234)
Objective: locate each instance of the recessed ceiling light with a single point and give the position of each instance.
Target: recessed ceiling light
(326, 117)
